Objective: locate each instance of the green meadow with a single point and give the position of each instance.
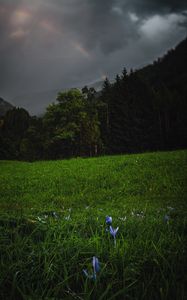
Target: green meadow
(52, 223)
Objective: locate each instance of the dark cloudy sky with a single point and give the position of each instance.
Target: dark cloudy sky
(49, 44)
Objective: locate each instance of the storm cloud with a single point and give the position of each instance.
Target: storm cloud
(50, 44)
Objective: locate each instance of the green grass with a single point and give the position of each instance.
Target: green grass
(42, 257)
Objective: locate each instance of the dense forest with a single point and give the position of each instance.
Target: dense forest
(141, 110)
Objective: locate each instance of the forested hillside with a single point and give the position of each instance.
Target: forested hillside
(147, 108)
(143, 110)
(170, 70)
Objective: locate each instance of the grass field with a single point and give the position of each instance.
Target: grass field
(52, 223)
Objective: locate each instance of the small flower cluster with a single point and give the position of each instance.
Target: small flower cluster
(113, 231)
(95, 261)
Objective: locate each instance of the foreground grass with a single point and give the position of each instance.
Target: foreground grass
(52, 222)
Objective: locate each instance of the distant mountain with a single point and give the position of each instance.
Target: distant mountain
(4, 106)
(36, 103)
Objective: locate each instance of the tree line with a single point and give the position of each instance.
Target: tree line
(127, 116)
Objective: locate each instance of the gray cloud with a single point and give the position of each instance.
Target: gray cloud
(49, 44)
(147, 7)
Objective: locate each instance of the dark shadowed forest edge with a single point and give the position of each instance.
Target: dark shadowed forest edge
(143, 110)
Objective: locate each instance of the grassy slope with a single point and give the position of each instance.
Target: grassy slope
(43, 256)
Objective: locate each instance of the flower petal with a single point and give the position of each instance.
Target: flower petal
(108, 220)
(96, 266)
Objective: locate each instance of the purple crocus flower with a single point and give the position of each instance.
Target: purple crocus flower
(95, 264)
(108, 220)
(113, 232)
(96, 268)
